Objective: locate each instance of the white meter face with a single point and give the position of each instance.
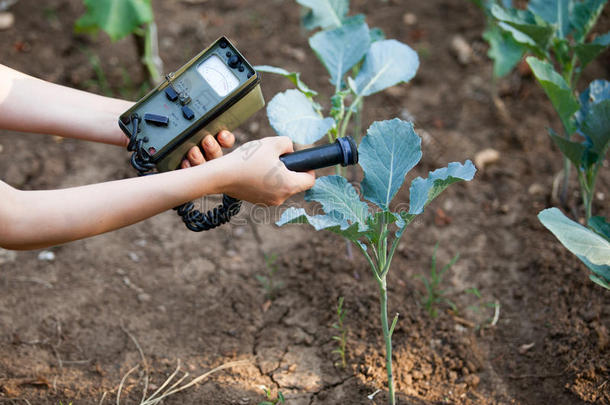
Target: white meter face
(218, 75)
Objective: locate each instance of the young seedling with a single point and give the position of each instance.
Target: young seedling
(119, 18)
(435, 296)
(341, 338)
(591, 246)
(556, 34)
(387, 153)
(268, 282)
(270, 400)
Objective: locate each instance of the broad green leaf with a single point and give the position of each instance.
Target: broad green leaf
(583, 17)
(576, 238)
(555, 88)
(503, 50)
(534, 30)
(588, 52)
(596, 126)
(293, 115)
(599, 225)
(598, 90)
(336, 194)
(554, 12)
(574, 151)
(599, 281)
(387, 153)
(294, 77)
(341, 48)
(331, 222)
(592, 249)
(118, 18)
(325, 13)
(387, 63)
(422, 191)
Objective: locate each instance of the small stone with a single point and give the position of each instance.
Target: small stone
(46, 255)
(6, 20)
(141, 242)
(253, 127)
(409, 19)
(134, 257)
(7, 256)
(525, 348)
(144, 297)
(461, 50)
(472, 380)
(599, 195)
(536, 189)
(1, 148)
(486, 157)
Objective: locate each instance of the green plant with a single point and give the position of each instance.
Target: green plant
(341, 338)
(387, 153)
(556, 33)
(270, 400)
(591, 246)
(119, 18)
(434, 295)
(346, 44)
(268, 281)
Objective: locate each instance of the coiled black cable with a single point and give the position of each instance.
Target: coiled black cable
(193, 219)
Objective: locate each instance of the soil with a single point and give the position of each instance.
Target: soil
(68, 326)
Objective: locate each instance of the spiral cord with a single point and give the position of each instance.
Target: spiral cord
(193, 219)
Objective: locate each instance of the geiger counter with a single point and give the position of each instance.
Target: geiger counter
(216, 90)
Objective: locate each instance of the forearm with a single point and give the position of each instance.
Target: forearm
(36, 219)
(28, 104)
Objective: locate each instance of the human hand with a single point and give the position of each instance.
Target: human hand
(254, 172)
(211, 147)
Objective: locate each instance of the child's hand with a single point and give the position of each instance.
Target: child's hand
(254, 172)
(212, 148)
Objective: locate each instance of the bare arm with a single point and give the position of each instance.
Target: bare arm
(28, 104)
(35, 219)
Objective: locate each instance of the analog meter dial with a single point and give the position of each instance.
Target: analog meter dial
(218, 75)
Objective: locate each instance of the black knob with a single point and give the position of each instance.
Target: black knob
(233, 61)
(343, 152)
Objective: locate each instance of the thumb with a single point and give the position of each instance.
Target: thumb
(304, 181)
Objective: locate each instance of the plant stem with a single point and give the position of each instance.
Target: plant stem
(387, 337)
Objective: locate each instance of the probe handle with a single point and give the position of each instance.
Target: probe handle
(343, 152)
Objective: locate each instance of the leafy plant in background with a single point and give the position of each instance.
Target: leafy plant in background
(120, 18)
(556, 33)
(387, 153)
(341, 338)
(435, 296)
(591, 246)
(345, 45)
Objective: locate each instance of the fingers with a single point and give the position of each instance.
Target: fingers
(226, 139)
(211, 147)
(194, 156)
(283, 145)
(304, 181)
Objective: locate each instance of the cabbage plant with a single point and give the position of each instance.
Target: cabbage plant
(120, 18)
(556, 33)
(387, 153)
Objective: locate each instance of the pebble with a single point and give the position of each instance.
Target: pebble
(7, 256)
(6, 20)
(46, 255)
(525, 348)
(461, 49)
(1, 148)
(486, 157)
(536, 189)
(144, 297)
(409, 19)
(134, 257)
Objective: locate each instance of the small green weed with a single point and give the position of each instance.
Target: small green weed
(270, 400)
(435, 296)
(270, 285)
(341, 338)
